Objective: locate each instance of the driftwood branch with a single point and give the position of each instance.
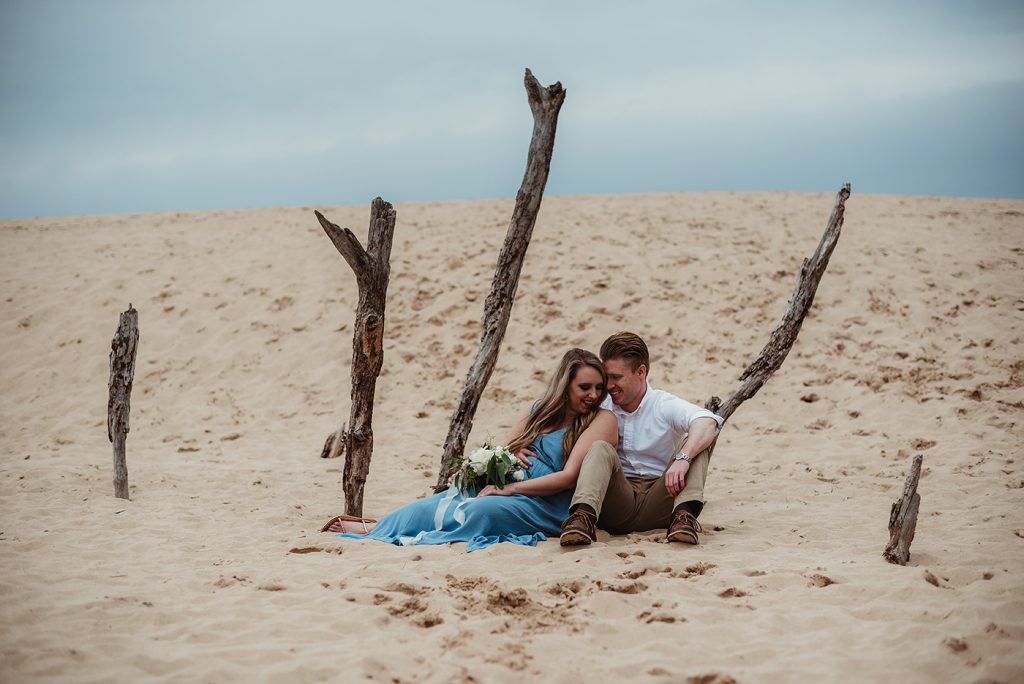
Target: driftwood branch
(545, 104)
(372, 269)
(774, 353)
(334, 445)
(784, 336)
(903, 517)
(122, 375)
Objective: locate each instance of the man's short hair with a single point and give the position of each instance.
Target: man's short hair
(628, 347)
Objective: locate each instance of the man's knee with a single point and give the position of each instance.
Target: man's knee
(601, 452)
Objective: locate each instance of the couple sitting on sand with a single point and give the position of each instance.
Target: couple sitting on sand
(600, 448)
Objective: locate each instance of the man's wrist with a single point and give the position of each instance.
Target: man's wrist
(683, 456)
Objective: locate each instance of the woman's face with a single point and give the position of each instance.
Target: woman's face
(584, 389)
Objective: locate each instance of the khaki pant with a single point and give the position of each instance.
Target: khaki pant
(632, 504)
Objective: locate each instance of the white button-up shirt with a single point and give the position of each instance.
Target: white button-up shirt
(650, 435)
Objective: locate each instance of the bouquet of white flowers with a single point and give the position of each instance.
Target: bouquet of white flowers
(488, 465)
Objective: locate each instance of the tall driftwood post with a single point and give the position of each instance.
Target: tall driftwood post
(372, 268)
(122, 374)
(781, 341)
(903, 517)
(545, 104)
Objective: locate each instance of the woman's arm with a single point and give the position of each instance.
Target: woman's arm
(603, 428)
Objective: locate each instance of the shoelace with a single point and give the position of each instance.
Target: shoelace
(696, 525)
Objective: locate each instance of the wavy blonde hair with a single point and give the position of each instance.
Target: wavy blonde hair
(548, 413)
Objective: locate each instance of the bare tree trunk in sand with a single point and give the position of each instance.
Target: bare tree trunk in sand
(122, 374)
(774, 353)
(372, 269)
(545, 104)
(903, 517)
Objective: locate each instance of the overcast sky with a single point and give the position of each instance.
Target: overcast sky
(140, 105)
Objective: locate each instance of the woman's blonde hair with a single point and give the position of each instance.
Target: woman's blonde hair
(548, 413)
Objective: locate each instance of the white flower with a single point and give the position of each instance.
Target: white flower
(478, 460)
(518, 475)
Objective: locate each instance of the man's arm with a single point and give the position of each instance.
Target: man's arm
(702, 433)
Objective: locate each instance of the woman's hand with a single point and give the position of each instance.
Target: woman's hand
(491, 490)
(525, 457)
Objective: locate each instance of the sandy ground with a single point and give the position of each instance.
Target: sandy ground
(215, 570)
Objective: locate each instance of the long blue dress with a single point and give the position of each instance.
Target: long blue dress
(451, 516)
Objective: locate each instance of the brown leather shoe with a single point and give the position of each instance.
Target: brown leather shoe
(579, 529)
(684, 527)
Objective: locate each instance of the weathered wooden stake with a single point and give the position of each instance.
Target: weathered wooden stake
(372, 268)
(545, 104)
(122, 374)
(784, 336)
(903, 517)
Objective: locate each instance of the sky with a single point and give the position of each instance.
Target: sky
(140, 105)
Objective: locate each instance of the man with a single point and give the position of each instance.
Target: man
(647, 482)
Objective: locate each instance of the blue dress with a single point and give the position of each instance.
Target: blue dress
(451, 516)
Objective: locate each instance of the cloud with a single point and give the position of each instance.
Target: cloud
(181, 100)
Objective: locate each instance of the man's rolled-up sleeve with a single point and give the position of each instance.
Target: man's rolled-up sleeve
(681, 413)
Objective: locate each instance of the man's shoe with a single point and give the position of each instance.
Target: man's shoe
(684, 527)
(579, 529)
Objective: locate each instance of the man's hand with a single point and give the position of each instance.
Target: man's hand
(675, 477)
(525, 456)
(491, 490)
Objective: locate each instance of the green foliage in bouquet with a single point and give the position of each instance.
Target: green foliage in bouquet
(488, 465)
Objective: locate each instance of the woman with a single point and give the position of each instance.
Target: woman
(555, 435)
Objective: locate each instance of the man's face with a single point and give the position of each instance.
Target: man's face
(625, 385)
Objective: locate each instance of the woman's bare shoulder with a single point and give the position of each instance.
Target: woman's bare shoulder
(605, 417)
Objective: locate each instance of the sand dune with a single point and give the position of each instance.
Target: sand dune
(215, 570)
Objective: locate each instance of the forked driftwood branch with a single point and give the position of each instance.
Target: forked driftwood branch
(122, 374)
(372, 268)
(774, 353)
(903, 517)
(545, 104)
(334, 445)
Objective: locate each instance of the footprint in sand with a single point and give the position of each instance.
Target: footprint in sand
(407, 589)
(633, 574)
(627, 588)
(281, 303)
(566, 590)
(935, 581)
(315, 549)
(819, 580)
(711, 678)
(956, 645)
(414, 610)
(649, 617)
(407, 608)
(513, 602)
(694, 570)
(272, 586)
(224, 582)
